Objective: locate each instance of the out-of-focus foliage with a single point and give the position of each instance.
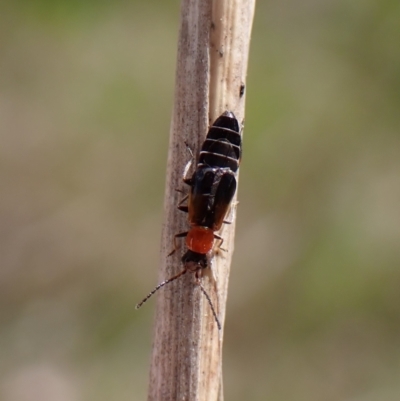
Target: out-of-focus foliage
(86, 92)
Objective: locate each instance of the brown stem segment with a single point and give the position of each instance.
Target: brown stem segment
(211, 69)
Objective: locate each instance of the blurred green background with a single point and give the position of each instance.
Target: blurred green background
(86, 93)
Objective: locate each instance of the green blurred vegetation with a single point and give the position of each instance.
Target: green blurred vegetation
(86, 93)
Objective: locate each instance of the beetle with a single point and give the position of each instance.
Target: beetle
(212, 188)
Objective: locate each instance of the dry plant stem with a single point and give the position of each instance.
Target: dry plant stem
(211, 67)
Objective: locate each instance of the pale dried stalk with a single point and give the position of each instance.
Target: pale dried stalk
(211, 70)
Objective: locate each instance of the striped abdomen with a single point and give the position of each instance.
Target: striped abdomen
(223, 144)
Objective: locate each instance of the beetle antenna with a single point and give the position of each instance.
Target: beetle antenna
(159, 286)
(209, 302)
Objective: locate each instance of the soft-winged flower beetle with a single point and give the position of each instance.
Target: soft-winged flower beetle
(212, 188)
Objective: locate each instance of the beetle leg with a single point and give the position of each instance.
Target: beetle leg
(180, 235)
(231, 211)
(219, 247)
(181, 207)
